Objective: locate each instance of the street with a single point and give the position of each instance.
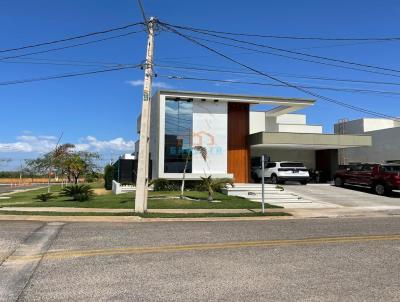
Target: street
(348, 259)
(6, 188)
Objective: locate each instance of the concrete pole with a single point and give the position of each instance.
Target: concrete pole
(142, 179)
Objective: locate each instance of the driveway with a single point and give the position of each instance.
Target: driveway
(343, 197)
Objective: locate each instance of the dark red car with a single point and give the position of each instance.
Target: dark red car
(382, 178)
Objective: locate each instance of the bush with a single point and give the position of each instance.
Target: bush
(216, 184)
(92, 177)
(162, 184)
(108, 177)
(78, 192)
(45, 196)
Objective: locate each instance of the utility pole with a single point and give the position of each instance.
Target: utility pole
(142, 179)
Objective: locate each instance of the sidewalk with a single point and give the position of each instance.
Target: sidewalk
(99, 210)
(333, 212)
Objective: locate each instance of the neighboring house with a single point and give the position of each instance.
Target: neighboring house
(385, 134)
(125, 169)
(232, 134)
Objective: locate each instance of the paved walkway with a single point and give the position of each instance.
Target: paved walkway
(342, 197)
(98, 210)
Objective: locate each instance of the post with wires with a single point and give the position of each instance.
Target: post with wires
(142, 180)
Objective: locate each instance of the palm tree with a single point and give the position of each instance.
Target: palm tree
(214, 184)
(203, 152)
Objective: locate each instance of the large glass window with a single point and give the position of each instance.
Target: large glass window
(178, 135)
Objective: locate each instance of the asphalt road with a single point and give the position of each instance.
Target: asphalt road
(6, 188)
(286, 260)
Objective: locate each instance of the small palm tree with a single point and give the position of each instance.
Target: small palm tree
(212, 185)
(78, 192)
(203, 152)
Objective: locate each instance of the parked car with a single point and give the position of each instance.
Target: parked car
(279, 172)
(381, 178)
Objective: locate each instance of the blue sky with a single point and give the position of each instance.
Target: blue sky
(99, 112)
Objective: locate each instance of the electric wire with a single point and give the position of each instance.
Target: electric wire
(350, 90)
(295, 58)
(205, 32)
(309, 77)
(69, 46)
(303, 37)
(71, 38)
(68, 75)
(340, 103)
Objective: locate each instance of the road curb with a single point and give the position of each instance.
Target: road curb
(132, 218)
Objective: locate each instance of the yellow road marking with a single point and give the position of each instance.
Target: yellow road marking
(59, 255)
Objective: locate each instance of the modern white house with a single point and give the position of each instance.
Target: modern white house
(385, 135)
(232, 134)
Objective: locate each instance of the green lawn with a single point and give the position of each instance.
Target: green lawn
(157, 200)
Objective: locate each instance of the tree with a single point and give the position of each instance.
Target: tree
(212, 185)
(203, 152)
(80, 163)
(64, 160)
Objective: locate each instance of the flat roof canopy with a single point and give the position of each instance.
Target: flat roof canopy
(308, 141)
(283, 105)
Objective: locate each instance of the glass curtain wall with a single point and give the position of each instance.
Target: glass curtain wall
(178, 135)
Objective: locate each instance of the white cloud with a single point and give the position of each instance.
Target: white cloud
(136, 83)
(30, 143)
(116, 144)
(46, 143)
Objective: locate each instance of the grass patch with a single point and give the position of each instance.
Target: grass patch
(157, 200)
(146, 215)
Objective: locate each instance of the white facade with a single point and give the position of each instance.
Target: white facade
(297, 123)
(181, 120)
(209, 129)
(128, 156)
(210, 126)
(385, 136)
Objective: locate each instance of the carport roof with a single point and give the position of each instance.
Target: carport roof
(308, 141)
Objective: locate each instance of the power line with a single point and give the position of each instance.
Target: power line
(68, 75)
(70, 46)
(61, 64)
(205, 32)
(62, 60)
(355, 108)
(350, 90)
(295, 58)
(72, 38)
(299, 37)
(142, 11)
(309, 77)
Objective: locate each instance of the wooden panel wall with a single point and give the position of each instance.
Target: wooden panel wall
(238, 149)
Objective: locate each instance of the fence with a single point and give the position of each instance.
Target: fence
(29, 181)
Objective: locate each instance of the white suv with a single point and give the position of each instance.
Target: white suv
(279, 172)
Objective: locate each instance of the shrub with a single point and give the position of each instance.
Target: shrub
(216, 184)
(162, 184)
(78, 192)
(45, 196)
(211, 185)
(92, 177)
(108, 177)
